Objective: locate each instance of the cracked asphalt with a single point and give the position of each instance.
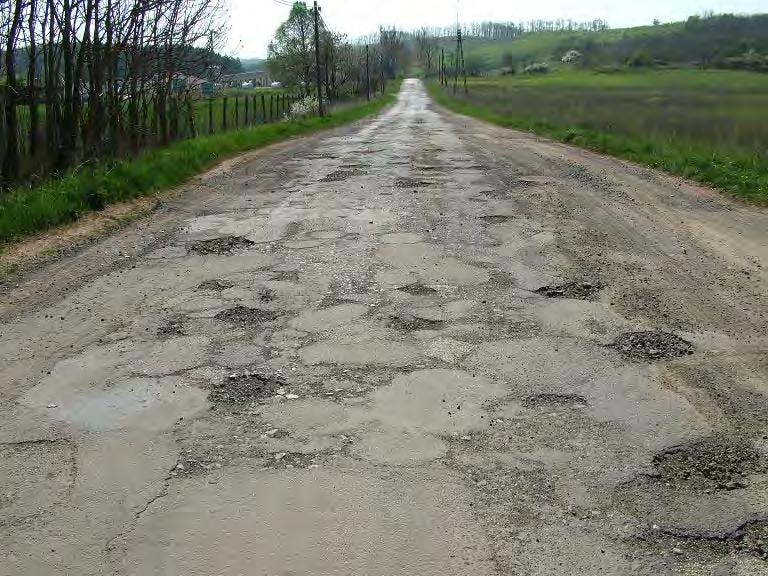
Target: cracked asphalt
(415, 345)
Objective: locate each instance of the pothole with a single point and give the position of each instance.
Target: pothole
(411, 183)
(216, 285)
(245, 388)
(571, 290)
(753, 539)
(713, 463)
(287, 276)
(267, 295)
(190, 467)
(174, 327)
(320, 156)
(413, 323)
(244, 316)
(418, 289)
(544, 400)
(369, 151)
(501, 279)
(225, 245)
(496, 219)
(750, 538)
(583, 175)
(282, 460)
(652, 345)
(340, 175)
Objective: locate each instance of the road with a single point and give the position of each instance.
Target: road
(419, 345)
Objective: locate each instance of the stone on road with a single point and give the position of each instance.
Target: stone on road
(415, 345)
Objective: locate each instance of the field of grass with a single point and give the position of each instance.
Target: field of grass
(708, 126)
(717, 41)
(26, 211)
(548, 46)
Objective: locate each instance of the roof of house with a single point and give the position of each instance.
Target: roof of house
(244, 75)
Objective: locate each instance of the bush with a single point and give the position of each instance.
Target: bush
(751, 60)
(307, 107)
(537, 68)
(572, 56)
(640, 59)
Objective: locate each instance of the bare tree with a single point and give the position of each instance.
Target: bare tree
(106, 72)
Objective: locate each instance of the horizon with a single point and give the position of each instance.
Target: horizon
(253, 23)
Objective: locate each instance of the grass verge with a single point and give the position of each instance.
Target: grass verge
(741, 173)
(25, 211)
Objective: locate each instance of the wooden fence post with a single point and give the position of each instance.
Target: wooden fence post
(224, 113)
(263, 109)
(237, 112)
(191, 119)
(245, 103)
(210, 115)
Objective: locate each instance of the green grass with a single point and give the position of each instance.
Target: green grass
(548, 46)
(708, 126)
(26, 211)
(236, 109)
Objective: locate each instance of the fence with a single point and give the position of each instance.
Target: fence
(39, 139)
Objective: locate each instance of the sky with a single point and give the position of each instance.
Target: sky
(253, 22)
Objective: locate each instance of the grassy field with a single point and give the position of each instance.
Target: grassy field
(716, 41)
(26, 211)
(708, 126)
(548, 46)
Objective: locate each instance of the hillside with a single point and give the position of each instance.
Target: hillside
(723, 41)
(251, 64)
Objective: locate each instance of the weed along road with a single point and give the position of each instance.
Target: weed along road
(418, 345)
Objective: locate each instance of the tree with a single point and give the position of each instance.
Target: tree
(104, 70)
(427, 49)
(290, 57)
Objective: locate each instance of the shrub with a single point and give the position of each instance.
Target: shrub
(537, 68)
(640, 59)
(305, 108)
(571, 57)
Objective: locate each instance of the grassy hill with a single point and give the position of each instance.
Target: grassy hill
(251, 64)
(723, 41)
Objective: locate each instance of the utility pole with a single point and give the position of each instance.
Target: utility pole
(456, 58)
(455, 71)
(317, 62)
(463, 63)
(367, 75)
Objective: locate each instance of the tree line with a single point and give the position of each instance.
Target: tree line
(346, 68)
(710, 41)
(82, 80)
(509, 30)
(435, 47)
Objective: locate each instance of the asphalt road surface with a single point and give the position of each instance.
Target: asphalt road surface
(419, 345)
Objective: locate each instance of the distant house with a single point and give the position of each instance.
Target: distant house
(257, 79)
(193, 84)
